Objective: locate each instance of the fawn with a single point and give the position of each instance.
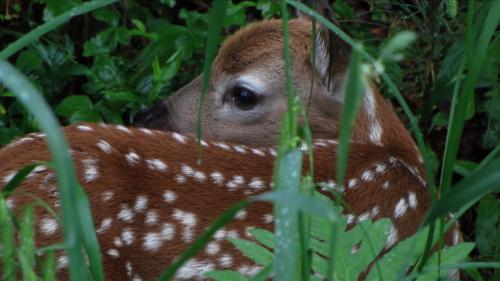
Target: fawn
(150, 198)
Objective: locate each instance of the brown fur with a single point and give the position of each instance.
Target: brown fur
(205, 199)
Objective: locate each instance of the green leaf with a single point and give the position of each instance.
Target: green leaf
(392, 50)
(468, 191)
(107, 15)
(487, 231)
(258, 254)
(71, 104)
(26, 253)
(265, 237)
(19, 177)
(120, 96)
(448, 256)
(226, 276)
(40, 30)
(8, 243)
(84, 116)
(28, 60)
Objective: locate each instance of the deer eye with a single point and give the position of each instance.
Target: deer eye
(244, 98)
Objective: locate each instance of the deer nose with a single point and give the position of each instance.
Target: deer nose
(154, 117)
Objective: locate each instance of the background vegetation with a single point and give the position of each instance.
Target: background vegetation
(108, 64)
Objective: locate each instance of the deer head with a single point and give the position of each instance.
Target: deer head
(247, 93)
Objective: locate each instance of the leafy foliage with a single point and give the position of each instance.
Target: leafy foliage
(357, 248)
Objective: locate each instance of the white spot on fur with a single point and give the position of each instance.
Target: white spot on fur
(199, 176)
(84, 128)
(169, 196)
(10, 203)
(385, 185)
(240, 149)
(117, 241)
(9, 177)
(104, 146)
(220, 234)
(125, 214)
(258, 151)
(363, 217)
(375, 211)
(156, 164)
(186, 170)
(168, 231)
(217, 178)
(132, 158)
(179, 138)
(400, 209)
(412, 200)
(456, 236)
(380, 168)
(350, 218)
(222, 145)
(268, 218)
(256, 183)
(107, 195)
(226, 261)
(90, 169)
(146, 131)
(48, 226)
(194, 270)
(180, 179)
(123, 129)
(241, 215)
(104, 226)
(236, 182)
(367, 176)
(151, 218)
(249, 270)
(113, 253)
(352, 183)
(140, 203)
(272, 151)
(375, 134)
(152, 242)
(392, 238)
(212, 248)
(188, 220)
(62, 261)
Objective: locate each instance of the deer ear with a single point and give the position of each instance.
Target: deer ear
(331, 51)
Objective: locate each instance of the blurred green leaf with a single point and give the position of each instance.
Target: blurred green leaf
(71, 104)
(487, 227)
(84, 116)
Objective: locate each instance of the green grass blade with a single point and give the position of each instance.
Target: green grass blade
(40, 30)
(26, 252)
(202, 240)
(468, 191)
(475, 59)
(8, 244)
(19, 177)
(215, 21)
(70, 201)
(49, 266)
(287, 251)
